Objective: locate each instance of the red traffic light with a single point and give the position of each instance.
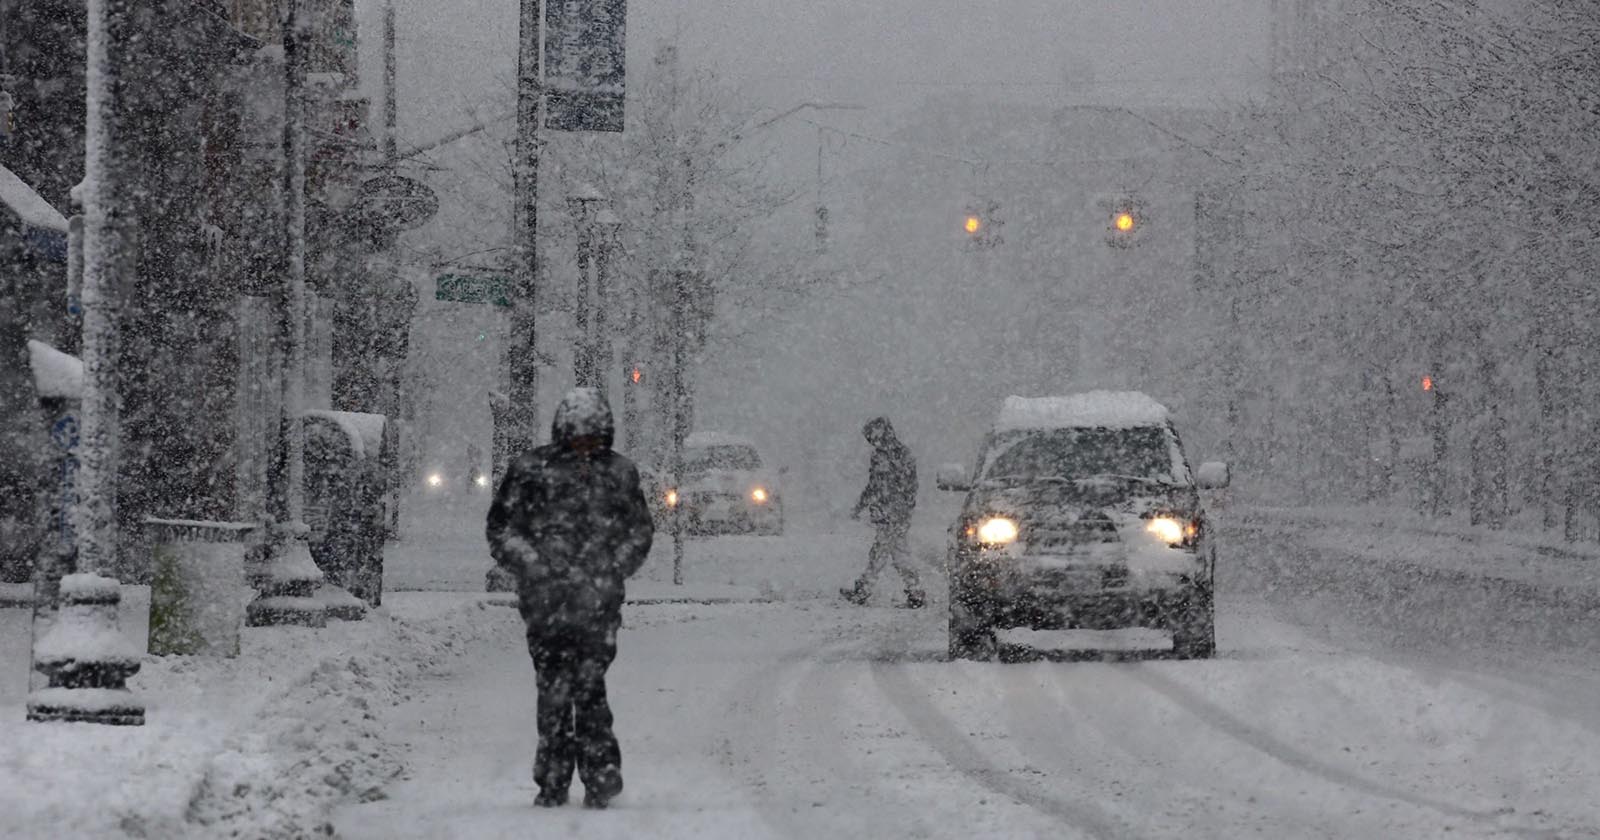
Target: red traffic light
(1427, 383)
(636, 376)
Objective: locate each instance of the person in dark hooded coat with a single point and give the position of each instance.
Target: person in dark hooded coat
(889, 498)
(570, 524)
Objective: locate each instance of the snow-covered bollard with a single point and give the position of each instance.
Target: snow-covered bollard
(281, 571)
(86, 658)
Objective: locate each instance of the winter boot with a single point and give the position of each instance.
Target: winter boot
(857, 595)
(550, 798)
(596, 800)
(916, 599)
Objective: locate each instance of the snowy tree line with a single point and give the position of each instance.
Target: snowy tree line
(1417, 198)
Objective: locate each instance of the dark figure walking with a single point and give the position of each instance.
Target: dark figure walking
(570, 524)
(889, 498)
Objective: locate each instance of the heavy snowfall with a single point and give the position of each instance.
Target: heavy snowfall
(699, 418)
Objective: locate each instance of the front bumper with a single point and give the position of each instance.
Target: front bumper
(1053, 593)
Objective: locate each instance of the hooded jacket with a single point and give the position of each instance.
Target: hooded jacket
(570, 521)
(891, 491)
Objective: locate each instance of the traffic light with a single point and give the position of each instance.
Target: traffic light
(982, 224)
(1126, 222)
(636, 375)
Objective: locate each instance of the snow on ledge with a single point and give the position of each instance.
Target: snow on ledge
(1091, 409)
(85, 585)
(56, 375)
(701, 440)
(29, 205)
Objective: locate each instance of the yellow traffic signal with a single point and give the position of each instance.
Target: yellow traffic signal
(1124, 221)
(974, 224)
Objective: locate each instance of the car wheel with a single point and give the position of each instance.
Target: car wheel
(1194, 635)
(970, 636)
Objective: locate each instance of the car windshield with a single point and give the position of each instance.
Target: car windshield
(703, 459)
(1139, 452)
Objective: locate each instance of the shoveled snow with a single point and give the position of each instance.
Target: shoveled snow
(29, 206)
(1092, 409)
(56, 375)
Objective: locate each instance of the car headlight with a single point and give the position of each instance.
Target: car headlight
(997, 530)
(481, 480)
(435, 480)
(672, 498)
(1171, 530)
(759, 495)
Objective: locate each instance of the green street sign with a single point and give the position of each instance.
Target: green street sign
(473, 288)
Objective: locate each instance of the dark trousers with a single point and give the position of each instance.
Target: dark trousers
(890, 546)
(574, 717)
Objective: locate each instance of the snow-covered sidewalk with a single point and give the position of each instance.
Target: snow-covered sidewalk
(257, 746)
(1536, 563)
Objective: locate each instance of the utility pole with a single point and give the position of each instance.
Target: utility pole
(522, 351)
(607, 226)
(391, 108)
(86, 660)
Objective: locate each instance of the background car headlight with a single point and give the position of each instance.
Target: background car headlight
(435, 480)
(759, 495)
(1166, 529)
(997, 530)
(672, 498)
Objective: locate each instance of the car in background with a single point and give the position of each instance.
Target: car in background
(1081, 512)
(725, 488)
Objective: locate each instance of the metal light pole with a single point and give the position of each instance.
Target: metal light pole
(521, 411)
(281, 568)
(86, 660)
(581, 204)
(607, 227)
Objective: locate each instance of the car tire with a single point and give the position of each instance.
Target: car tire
(1194, 634)
(970, 636)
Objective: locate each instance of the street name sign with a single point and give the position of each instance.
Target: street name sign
(473, 288)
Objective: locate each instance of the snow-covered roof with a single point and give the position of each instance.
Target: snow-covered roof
(700, 440)
(1097, 409)
(364, 430)
(29, 206)
(56, 375)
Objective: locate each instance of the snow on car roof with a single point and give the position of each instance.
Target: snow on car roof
(33, 210)
(700, 440)
(1099, 409)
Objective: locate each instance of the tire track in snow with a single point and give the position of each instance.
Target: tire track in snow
(1220, 719)
(755, 703)
(958, 752)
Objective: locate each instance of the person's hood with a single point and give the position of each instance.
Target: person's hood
(878, 432)
(583, 412)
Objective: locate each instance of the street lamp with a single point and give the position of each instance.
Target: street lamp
(581, 204)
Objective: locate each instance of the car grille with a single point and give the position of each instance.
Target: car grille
(1087, 530)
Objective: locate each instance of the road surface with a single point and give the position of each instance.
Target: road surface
(1327, 714)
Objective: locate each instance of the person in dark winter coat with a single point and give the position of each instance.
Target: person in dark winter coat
(570, 524)
(889, 498)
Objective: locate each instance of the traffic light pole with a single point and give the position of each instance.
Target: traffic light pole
(680, 413)
(522, 353)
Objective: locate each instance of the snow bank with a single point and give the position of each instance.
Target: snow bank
(1100, 409)
(260, 746)
(365, 431)
(29, 206)
(701, 440)
(56, 375)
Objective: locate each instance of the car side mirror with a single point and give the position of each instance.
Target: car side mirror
(1213, 475)
(952, 477)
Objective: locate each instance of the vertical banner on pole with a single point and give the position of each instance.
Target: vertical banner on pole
(585, 56)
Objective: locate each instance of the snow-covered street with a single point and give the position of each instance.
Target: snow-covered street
(769, 709)
(808, 718)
